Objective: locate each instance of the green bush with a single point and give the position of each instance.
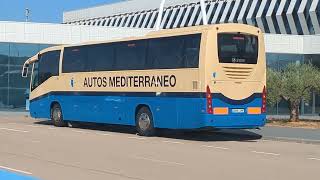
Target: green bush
(293, 83)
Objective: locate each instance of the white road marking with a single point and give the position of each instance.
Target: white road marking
(159, 161)
(264, 140)
(216, 147)
(266, 153)
(139, 138)
(79, 131)
(14, 123)
(173, 142)
(35, 126)
(53, 128)
(15, 170)
(317, 159)
(14, 130)
(104, 134)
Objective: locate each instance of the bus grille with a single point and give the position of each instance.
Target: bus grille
(238, 72)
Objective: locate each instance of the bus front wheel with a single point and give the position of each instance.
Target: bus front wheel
(144, 122)
(57, 116)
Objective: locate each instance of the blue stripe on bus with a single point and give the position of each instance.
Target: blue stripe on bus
(154, 94)
(168, 111)
(236, 102)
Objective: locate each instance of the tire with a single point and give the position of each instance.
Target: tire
(144, 122)
(57, 116)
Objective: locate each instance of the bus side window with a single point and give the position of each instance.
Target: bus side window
(48, 65)
(100, 57)
(191, 51)
(35, 76)
(174, 52)
(131, 55)
(166, 53)
(75, 59)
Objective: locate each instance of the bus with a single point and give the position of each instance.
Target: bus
(211, 76)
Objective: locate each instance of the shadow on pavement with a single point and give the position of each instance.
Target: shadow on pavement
(194, 135)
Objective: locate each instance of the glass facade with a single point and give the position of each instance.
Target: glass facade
(14, 88)
(279, 61)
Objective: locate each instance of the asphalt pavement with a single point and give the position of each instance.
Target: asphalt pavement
(36, 148)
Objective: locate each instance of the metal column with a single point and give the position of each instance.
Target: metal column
(203, 10)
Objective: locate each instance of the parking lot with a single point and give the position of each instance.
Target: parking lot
(91, 151)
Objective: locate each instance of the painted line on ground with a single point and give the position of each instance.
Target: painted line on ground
(265, 140)
(104, 134)
(158, 161)
(316, 159)
(34, 126)
(266, 153)
(15, 170)
(216, 147)
(14, 123)
(53, 128)
(14, 130)
(173, 142)
(138, 138)
(78, 131)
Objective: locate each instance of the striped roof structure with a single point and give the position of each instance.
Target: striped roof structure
(299, 17)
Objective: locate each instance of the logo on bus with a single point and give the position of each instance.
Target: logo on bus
(214, 75)
(238, 60)
(72, 82)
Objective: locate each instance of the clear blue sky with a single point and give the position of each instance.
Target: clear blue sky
(49, 11)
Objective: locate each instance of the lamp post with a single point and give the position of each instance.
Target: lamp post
(204, 13)
(203, 10)
(27, 14)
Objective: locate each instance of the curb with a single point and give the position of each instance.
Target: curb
(296, 140)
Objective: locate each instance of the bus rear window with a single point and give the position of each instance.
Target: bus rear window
(237, 48)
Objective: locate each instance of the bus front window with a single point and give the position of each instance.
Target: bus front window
(35, 76)
(237, 48)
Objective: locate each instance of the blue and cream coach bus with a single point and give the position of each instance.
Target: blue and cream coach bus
(186, 78)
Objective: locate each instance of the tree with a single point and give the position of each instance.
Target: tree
(292, 84)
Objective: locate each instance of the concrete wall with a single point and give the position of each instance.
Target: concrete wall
(42, 33)
(292, 44)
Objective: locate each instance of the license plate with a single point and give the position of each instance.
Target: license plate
(237, 111)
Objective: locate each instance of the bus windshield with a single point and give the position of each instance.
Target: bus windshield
(237, 48)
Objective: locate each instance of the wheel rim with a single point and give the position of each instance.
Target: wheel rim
(144, 121)
(56, 114)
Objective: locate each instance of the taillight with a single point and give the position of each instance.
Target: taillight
(209, 101)
(264, 100)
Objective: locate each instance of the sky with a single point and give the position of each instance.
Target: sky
(47, 11)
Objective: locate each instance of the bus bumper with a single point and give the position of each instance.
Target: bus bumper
(234, 121)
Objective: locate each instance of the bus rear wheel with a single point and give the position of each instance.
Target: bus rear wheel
(144, 122)
(57, 116)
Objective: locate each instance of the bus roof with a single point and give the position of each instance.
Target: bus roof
(151, 34)
(169, 32)
(35, 57)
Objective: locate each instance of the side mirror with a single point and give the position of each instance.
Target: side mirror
(25, 70)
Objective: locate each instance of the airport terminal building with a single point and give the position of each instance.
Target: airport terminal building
(21, 40)
(292, 30)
